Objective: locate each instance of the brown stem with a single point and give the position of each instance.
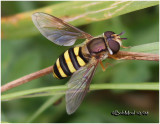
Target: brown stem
(26, 78)
(137, 56)
(120, 55)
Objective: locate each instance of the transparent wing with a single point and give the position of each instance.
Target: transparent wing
(78, 86)
(58, 31)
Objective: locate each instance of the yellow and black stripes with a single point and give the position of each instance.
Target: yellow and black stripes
(74, 59)
(69, 62)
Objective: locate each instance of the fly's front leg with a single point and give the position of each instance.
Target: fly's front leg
(104, 67)
(113, 57)
(125, 47)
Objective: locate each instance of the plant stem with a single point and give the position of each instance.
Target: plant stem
(59, 90)
(49, 102)
(120, 55)
(26, 79)
(137, 56)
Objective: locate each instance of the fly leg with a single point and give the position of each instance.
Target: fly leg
(125, 47)
(104, 67)
(113, 57)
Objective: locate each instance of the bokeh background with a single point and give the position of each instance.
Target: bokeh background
(26, 55)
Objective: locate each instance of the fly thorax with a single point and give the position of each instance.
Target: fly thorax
(96, 46)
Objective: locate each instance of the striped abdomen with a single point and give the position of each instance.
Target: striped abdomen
(68, 63)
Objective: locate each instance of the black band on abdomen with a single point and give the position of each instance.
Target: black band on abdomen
(57, 72)
(74, 59)
(81, 55)
(64, 65)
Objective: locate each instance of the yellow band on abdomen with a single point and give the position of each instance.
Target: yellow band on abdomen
(80, 61)
(76, 51)
(69, 62)
(60, 69)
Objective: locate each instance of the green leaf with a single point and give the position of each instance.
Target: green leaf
(146, 48)
(81, 12)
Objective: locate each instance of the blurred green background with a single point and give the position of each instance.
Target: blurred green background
(22, 56)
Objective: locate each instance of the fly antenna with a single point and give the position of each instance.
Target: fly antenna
(123, 38)
(121, 33)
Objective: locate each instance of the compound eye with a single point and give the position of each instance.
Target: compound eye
(108, 34)
(114, 46)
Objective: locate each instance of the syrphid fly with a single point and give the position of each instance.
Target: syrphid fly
(79, 62)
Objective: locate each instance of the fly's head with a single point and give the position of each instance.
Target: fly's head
(113, 41)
